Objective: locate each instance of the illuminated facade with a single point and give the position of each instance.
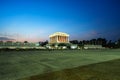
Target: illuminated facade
(59, 37)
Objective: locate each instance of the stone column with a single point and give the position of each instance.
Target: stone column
(60, 39)
(68, 39)
(65, 39)
(56, 38)
(50, 39)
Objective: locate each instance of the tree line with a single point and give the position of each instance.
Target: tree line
(99, 41)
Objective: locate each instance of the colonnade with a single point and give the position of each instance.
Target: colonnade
(59, 39)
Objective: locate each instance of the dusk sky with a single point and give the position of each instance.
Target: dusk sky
(35, 20)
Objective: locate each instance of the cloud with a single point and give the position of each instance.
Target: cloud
(8, 35)
(95, 33)
(5, 38)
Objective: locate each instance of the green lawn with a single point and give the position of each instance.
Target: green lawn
(109, 70)
(20, 64)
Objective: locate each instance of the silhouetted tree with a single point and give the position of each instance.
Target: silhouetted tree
(104, 42)
(40, 43)
(84, 42)
(93, 41)
(44, 43)
(99, 41)
(74, 42)
(118, 43)
(25, 42)
(80, 43)
(110, 45)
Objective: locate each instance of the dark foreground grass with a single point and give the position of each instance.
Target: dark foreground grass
(109, 70)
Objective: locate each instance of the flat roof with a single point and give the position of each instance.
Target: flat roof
(58, 34)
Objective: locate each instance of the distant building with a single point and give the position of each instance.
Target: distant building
(59, 37)
(93, 47)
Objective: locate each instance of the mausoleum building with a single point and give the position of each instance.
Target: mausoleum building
(59, 37)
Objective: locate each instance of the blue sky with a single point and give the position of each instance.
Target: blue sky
(35, 20)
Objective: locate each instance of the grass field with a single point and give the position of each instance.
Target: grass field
(109, 70)
(23, 64)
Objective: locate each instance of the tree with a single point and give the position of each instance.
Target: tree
(101, 41)
(44, 43)
(118, 43)
(109, 44)
(93, 41)
(84, 42)
(74, 42)
(104, 42)
(25, 42)
(80, 43)
(87, 42)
